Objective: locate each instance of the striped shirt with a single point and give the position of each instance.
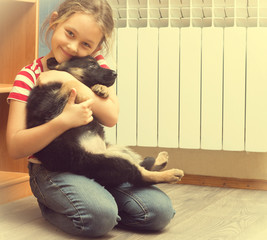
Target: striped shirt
(26, 79)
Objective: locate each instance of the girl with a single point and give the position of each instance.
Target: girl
(74, 203)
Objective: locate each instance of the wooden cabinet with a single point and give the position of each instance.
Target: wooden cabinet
(18, 44)
(18, 47)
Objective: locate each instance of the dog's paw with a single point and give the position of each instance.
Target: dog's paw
(100, 90)
(161, 161)
(173, 175)
(162, 158)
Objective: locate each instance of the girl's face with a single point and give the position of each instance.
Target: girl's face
(78, 36)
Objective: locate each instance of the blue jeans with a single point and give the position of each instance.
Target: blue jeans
(80, 206)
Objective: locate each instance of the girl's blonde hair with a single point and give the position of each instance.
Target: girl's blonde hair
(99, 9)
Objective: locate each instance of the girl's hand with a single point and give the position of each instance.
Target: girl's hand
(75, 115)
(53, 76)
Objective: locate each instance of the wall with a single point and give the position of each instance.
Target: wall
(45, 9)
(246, 165)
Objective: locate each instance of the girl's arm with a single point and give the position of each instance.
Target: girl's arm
(22, 142)
(105, 110)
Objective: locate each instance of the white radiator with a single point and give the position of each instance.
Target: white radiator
(191, 74)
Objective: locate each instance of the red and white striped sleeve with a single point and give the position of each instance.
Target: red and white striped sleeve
(25, 81)
(100, 59)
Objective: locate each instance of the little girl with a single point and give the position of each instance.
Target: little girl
(74, 203)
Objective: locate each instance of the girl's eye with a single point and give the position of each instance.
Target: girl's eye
(70, 33)
(86, 45)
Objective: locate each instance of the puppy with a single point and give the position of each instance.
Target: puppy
(83, 150)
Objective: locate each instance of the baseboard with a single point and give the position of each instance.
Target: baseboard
(255, 184)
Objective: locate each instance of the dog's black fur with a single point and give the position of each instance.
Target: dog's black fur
(111, 166)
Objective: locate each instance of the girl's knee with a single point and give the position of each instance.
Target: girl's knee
(98, 222)
(149, 214)
(161, 211)
(86, 222)
(159, 216)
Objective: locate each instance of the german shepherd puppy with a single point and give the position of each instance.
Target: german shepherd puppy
(83, 150)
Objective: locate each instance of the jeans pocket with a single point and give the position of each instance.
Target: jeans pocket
(36, 190)
(34, 169)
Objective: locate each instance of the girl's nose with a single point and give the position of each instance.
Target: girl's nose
(73, 48)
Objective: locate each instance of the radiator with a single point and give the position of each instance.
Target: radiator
(191, 74)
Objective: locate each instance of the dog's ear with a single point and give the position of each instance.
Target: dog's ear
(52, 64)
